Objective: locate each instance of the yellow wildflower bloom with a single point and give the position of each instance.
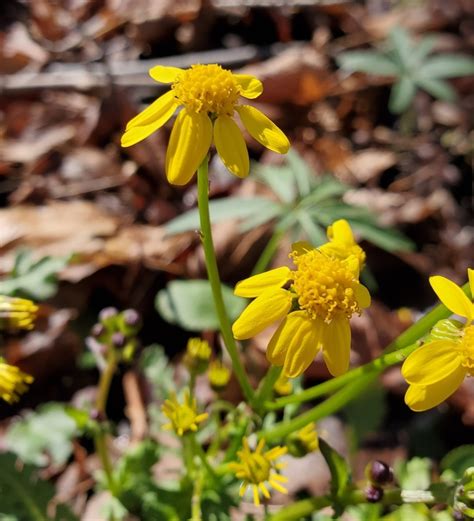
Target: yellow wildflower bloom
(304, 441)
(183, 416)
(17, 313)
(283, 386)
(209, 96)
(197, 355)
(342, 243)
(13, 382)
(313, 313)
(257, 468)
(437, 369)
(219, 375)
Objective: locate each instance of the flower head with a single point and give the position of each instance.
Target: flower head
(324, 292)
(183, 416)
(16, 313)
(197, 355)
(13, 382)
(437, 369)
(257, 469)
(209, 96)
(219, 375)
(304, 441)
(342, 243)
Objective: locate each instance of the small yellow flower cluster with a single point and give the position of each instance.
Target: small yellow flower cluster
(219, 375)
(209, 96)
(13, 382)
(258, 468)
(437, 369)
(197, 355)
(324, 292)
(184, 416)
(17, 313)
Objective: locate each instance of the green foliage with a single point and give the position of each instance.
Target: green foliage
(306, 206)
(413, 66)
(43, 436)
(24, 496)
(189, 304)
(33, 279)
(339, 468)
(459, 459)
(155, 366)
(414, 474)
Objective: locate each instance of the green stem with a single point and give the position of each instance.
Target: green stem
(196, 514)
(358, 386)
(214, 280)
(268, 252)
(203, 457)
(266, 386)
(188, 456)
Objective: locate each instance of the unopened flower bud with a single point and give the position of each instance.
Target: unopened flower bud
(197, 355)
(373, 494)
(219, 375)
(97, 330)
(96, 415)
(118, 340)
(379, 473)
(107, 315)
(303, 442)
(131, 318)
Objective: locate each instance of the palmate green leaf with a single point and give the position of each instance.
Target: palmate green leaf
(370, 62)
(438, 88)
(189, 304)
(446, 66)
(401, 95)
(24, 496)
(459, 459)
(221, 210)
(339, 468)
(33, 279)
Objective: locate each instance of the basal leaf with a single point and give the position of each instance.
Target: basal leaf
(437, 88)
(447, 66)
(401, 95)
(370, 62)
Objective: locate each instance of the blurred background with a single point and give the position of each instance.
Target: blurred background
(383, 138)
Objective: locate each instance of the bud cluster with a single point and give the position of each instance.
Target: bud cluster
(379, 474)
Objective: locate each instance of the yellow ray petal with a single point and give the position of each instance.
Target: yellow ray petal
(251, 87)
(189, 142)
(264, 490)
(431, 363)
(299, 339)
(452, 296)
(337, 345)
(231, 146)
(270, 306)
(340, 231)
(254, 286)
(256, 497)
(362, 295)
(421, 398)
(470, 274)
(149, 120)
(164, 74)
(263, 129)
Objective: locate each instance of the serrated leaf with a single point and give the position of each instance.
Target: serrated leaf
(189, 304)
(339, 468)
(459, 459)
(370, 62)
(439, 89)
(33, 279)
(221, 210)
(447, 66)
(401, 95)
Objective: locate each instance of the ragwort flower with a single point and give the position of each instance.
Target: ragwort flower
(258, 468)
(304, 441)
(13, 382)
(17, 313)
(324, 292)
(184, 416)
(198, 352)
(437, 369)
(218, 375)
(209, 96)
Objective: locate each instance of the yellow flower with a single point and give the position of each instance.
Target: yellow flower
(314, 312)
(304, 441)
(437, 369)
(17, 313)
(197, 355)
(219, 375)
(183, 416)
(283, 386)
(257, 468)
(13, 382)
(342, 243)
(209, 96)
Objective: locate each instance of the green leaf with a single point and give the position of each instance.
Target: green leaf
(388, 239)
(303, 175)
(155, 366)
(265, 215)
(401, 95)
(34, 279)
(414, 474)
(447, 66)
(43, 436)
(402, 46)
(315, 234)
(423, 48)
(23, 495)
(370, 62)
(437, 88)
(189, 304)
(326, 188)
(459, 459)
(339, 468)
(221, 210)
(280, 180)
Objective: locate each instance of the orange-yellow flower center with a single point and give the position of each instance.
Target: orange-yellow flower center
(257, 468)
(325, 286)
(467, 349)
(207, 88)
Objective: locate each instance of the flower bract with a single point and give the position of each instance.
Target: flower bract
(259, 470)
(184, 416)
(13, 382)
(17, 313)
(209, 98)
(436, 369)
(323, 293)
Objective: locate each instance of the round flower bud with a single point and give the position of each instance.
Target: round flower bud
(131, 318)
(108, 316)
(379, 473)
(97, 330)
(219, 375)
(118, 340)
(373, 494)
(303, 442)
